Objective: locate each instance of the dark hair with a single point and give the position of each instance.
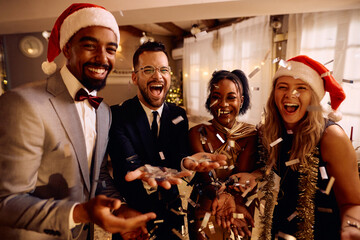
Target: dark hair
(239, 79)
(148, 46)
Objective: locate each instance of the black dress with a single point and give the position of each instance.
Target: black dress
(327, 218)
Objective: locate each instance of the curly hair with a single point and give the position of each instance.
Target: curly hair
(311, 127)
(238, 77)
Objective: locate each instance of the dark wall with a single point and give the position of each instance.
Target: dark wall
(20, 68)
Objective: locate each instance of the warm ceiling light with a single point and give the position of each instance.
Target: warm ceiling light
(195, 29)
(145, 39)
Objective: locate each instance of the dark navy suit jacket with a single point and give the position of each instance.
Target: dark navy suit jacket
(131, 145)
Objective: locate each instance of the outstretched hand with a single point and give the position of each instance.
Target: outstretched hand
(204, 162)
(166, 183)
(99, 210)
(246, 181)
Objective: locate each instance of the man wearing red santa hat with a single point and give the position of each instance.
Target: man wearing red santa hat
(53, 137)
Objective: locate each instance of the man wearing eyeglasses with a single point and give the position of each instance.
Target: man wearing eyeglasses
(146, 130)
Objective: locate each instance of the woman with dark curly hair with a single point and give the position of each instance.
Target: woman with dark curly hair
(228, 97)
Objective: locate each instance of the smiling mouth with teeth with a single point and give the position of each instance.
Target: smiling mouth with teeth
(156, 88)
(223, 112)
(97, 70)
(291, 107)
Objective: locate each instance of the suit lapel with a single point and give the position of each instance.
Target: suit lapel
(67, 113)
(102, 129)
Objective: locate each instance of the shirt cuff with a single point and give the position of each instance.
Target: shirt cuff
(72, 223)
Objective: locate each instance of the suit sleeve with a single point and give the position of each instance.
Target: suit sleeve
(22, 137)
(120, 148)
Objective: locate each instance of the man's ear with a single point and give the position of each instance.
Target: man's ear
(134, 78)
(66, 50)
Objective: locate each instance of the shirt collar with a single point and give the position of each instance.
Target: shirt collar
(149, 111)
(72, 83)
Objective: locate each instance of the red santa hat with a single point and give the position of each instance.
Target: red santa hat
(74, 18)
(317, 76)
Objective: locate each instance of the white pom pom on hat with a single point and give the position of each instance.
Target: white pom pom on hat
(74, 18)
(318, 77)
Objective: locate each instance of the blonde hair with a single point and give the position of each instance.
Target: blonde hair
(306, 137)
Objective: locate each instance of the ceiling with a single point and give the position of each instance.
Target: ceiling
(160, 17)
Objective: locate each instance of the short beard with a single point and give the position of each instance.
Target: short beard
(148, 100)
(94, 84)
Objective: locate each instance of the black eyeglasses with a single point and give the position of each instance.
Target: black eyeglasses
(150, 70)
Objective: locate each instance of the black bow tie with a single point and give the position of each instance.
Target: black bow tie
(94, 101)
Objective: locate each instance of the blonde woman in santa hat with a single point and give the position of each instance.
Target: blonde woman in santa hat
(308, 152)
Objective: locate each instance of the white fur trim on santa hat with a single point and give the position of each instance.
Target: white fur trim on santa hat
(301, 71)
(48, 67)
(87, 17)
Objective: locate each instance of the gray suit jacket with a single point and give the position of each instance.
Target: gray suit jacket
(43, 162)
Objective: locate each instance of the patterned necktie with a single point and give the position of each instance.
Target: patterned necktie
(94, 101)
(154, 125)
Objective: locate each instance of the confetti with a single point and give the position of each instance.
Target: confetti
(292, 216)
(238, 215)
(328, 62)
(205, 221)
(220, 138)
(204, 235)
(211, 227)
(131, 158)
(232, 143)
(192, 202)
(162, 156)
(347, 81)
(179, 213)
(275, 60)
(290, 132)
(323, 172)
(255, 71)
(283, 63)
(285, 236)
(325, 74)
(231, 167)
(216, 86)
(177, 233)
(292, 162)
(159, 221)
(213, 103)
(325, 210)
(177, 120)
(296, 93)
(248, 202)
(252, 197)
(210, 147)
(246, 192)
(159, 173)
(329, 186)
(276, 142)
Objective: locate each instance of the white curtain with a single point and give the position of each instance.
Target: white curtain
(328, 36)
(246, 46)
